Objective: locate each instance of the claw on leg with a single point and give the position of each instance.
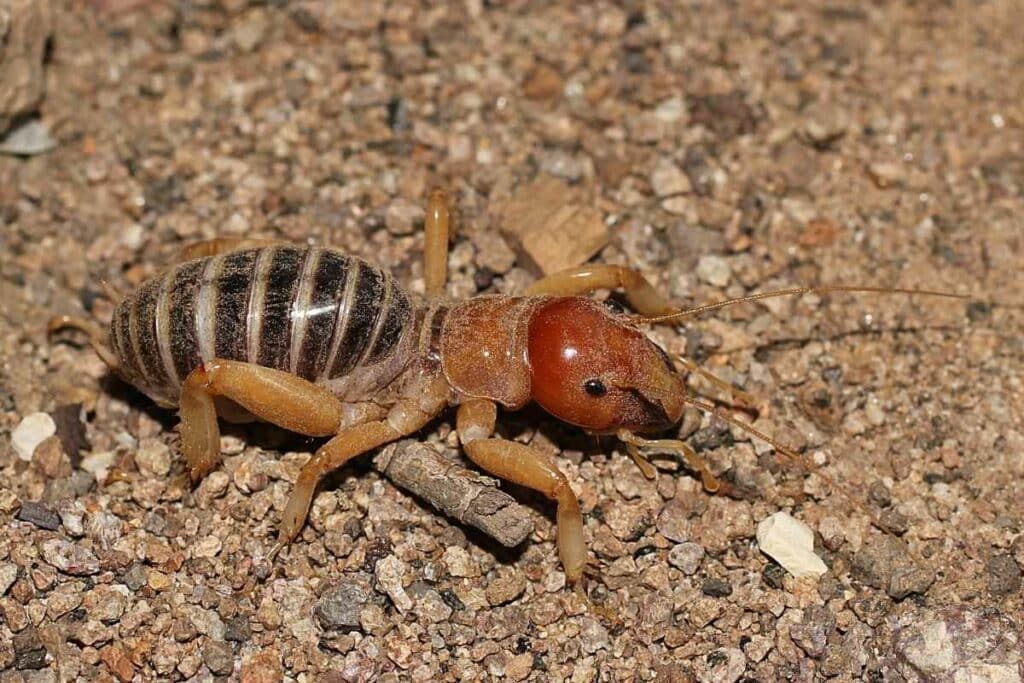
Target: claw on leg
(693, 461)
(648, 470)
(97, 337)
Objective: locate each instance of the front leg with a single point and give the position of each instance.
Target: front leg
(527, 467)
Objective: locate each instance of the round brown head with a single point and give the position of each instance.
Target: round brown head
(592, 370)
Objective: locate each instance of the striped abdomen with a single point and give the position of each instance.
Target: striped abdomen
(314, 312)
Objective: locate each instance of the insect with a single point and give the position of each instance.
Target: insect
(327, 345)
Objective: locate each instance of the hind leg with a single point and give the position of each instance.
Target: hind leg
(586, 279)
(273, 396)
(97, 337)
(221, 245)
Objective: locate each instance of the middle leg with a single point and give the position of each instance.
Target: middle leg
(421, 402)
(527, 467)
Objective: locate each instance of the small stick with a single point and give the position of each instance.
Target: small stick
(462, 494)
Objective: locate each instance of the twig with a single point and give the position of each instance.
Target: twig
(463, 495)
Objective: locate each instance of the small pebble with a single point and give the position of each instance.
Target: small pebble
(30, 138)
(390, 572)
(106, 603)
(825, 123)
(686, 557)
(117, 663)
(716, 588)
(673, 523)
(884, 562)
(157, 580)
(219, 657)
(403, 216)
(431, 606)
(668, 179)
(237, 629)
(72, 516)
(459, 562)
(153, 458)
(208, 546)
(98, 464)
(506, 588)
(70, 558)
(339, 606)
(812, 633)
(30, 432)
(8, 574)
(714, 270)
(832, 534)
(790, 542)
(1004, 576)
(519, 667)
(40, 515)
(887, 174)
(724, 666)
(29, 650)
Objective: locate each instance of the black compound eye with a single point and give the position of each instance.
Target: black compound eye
(595, 387)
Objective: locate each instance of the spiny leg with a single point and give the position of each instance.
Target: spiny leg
(435, 246)
(97, 337)
(424, 399)
(586, 279)
(220, 245)
(694, 461)
(271, 395)
(527, 467)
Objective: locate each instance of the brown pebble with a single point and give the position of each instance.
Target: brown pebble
(506, 588)
(543, 83)
(117, 663)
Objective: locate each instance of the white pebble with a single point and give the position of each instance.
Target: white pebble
(390, 572)
(790, 542)
(874, 412)
(99, 464)
(714, 270)
(32, 431)
(207, 546)
(668, 179)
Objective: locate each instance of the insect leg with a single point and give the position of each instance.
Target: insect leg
(583, 280)
(97, 338)
(220, 245)
(421, 402)
(527, 467)
(694, 461)
(271, 395)
(435, 249)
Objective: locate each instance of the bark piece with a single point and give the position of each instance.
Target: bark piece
(463, 495)
(550, 228)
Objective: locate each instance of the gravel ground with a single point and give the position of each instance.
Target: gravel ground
(729, 147)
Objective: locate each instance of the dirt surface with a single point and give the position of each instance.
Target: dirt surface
(730, 148)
